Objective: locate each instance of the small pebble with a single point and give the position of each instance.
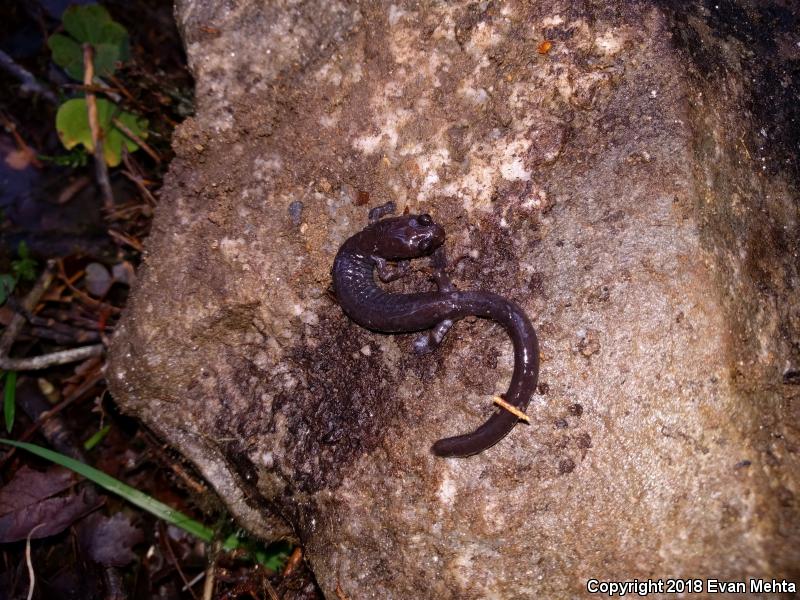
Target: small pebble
(296, 212)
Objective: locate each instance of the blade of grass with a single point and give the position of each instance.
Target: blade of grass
(96, 438)
(132, 495)
(10, 399)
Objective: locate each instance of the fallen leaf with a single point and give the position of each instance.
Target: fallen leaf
(109, 541)
(48, 517)
(30, 486)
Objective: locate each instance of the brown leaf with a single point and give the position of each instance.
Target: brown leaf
(109, 541)
(29, 487)
(47, 517)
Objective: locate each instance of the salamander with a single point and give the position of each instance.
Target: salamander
(399, 240)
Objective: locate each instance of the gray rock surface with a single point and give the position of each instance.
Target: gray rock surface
(633, 187)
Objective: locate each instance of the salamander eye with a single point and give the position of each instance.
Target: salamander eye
(425, 220)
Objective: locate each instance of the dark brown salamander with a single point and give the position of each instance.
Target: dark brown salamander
(413, 236)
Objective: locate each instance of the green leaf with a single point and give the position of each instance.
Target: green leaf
(72, 123)
(7, 284)
(85, 22)
(132, 495)
(273, 556)
(67, 54)
(96, 438)
(24, 267)
(89, 24)
(10, 399)
(108, 53)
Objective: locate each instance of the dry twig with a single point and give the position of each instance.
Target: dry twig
(194, 580)
(293, 561)
(80, 294)
(125, 239)
(512, 409)
(12, 331)
(29, 83)
(134, 173)
(271, 592)
(62, 357)
(97, 134)
(30, 302)
(174, 559)
(139, 141)
(208, 585)
(122, 89)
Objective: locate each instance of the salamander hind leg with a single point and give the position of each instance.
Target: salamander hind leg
(429, 341)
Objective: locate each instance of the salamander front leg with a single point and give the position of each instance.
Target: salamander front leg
(388, 272)
(439, 264)
(429, 341)
(377, 213)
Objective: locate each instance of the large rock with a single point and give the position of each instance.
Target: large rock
(625, 185)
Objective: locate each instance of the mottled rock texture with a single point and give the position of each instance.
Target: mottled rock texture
(633, 186)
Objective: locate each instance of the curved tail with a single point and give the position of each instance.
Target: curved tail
(523, 380)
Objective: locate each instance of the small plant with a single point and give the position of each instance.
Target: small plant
(91, 24)
(23, 268)
(73, 159)
(72, 123)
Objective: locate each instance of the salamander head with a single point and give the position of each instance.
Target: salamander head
(409, 236)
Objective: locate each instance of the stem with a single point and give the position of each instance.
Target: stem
(101, 170)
